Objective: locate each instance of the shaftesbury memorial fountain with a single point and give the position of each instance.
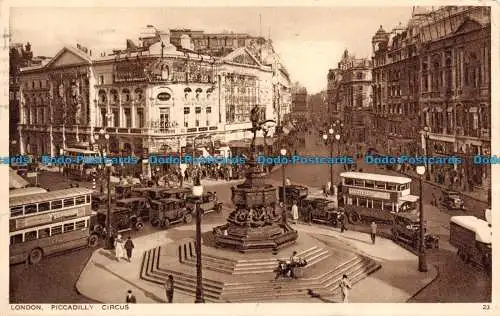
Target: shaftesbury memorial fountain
(240, 258)
(255, 224)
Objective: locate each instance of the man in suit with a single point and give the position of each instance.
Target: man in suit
(130, 297)
(129, 245)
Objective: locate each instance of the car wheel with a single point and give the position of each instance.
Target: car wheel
(139, 225)
(155, 222)
(188, 218)
(354, 218)
(333, 222)
(35, 256)
(165, 223)
(395, 235)
(93, 240)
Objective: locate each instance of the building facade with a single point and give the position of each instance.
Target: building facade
(300, 106)
(446, 55)
(155, 97)
(349, 94)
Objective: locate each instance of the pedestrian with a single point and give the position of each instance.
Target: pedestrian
(119, 250)
(129, 245)
(310, 216)
(373, 231)
(434, 200)
(169, 288)
(342, 220)
(295, 212)
(345, 286)
(130, 297)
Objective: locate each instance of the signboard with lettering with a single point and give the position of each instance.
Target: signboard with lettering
(129, 71)
(41, 219)
(373, 194)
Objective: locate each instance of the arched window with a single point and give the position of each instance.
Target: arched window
(114, 96)
(139, 95)
(102, 97)
(126, 95)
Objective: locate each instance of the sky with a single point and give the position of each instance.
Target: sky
(309, 40)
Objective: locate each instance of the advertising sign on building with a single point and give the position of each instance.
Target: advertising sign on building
(372, 194)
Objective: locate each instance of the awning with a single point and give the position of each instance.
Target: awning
(473, 109)
(16, 181)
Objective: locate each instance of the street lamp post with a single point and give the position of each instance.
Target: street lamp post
(425, 132)
(422, 260)
(283, 215)
(198, 192)
(337, 127)
(102, 140)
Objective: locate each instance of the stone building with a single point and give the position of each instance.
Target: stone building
(155, 97)
(446, 54)
(300, 106)
(349, 95)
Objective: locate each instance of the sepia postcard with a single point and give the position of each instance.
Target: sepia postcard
(249, 158)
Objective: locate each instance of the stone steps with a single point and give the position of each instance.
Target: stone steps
(313, 256)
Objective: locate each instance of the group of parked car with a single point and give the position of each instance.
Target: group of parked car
(161, 206)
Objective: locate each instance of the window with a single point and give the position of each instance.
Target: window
(186, 124)
(69, 227)
(377, 205)
(116, 118)
(16, 211)
(104, 119)
(359, 183)
(348, 181)
(80, 225)
(29, 236)
(197, 123)
(114, 96)
(387, 207)
(380, 185)
(208, 110)
(128, 118)
(360, 75)
(138, 94)
(80, 200)
(186, 110)
(208, 123)
(30, 209)
(164, 117)
(391, 187)
(69, 202)
(42, 233)
(101, 79)
(369, 184)
(56, 204)
(43, 207)
(126, 95)
(362, 202)
(16, 239)
(140, 118)
(197, 110)
(56, 230)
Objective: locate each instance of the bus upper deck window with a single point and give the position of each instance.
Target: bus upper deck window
(16, 211)
(80, 200)
(30, 209)
(369, 184)
(42, 233)
(56, 204)
(69, 202)
(43, 207)
(380, 185)
(359, 183)
(348, 181)
(391, 187)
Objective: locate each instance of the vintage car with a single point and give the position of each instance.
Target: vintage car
(322, 210)
(157, 193)
(123, 191)
(98, 200)
(406, 228)
(139, 205)
(165, 212)
(452, 200)
(293, 192)
(121, 219)
(208, 203)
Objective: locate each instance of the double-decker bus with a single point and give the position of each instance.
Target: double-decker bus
(370, 196)
(78, 170)
(47, 223)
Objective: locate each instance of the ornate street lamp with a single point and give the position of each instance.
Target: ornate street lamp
(197, 192)
(102, 139)
(422, 260)
(283, 154)
(330, 137)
